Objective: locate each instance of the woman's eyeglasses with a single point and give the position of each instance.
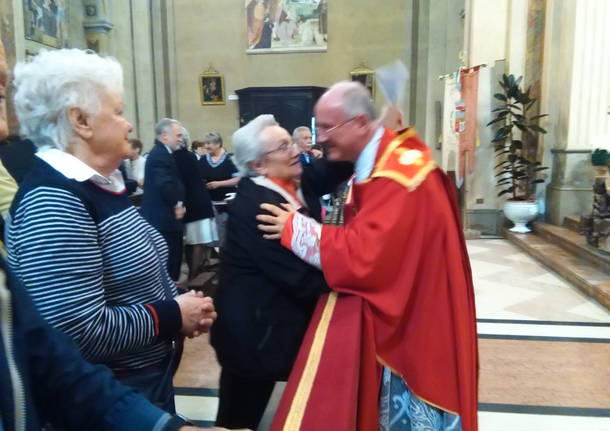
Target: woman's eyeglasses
(283, 148)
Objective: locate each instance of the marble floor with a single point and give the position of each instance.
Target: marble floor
(544, 351)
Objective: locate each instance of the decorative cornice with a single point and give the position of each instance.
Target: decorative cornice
(98, 26)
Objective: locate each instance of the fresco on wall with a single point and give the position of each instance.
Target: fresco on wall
(286, 25)
(46, 22)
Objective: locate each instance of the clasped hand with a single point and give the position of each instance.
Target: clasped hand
(198, 313)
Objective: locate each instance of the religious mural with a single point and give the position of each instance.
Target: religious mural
(45, 21)
(286, 25)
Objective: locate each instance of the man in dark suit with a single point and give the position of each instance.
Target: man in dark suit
(162, 202)
(302, 138)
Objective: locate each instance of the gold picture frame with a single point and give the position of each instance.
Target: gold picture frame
(366, 77)
(212, 88)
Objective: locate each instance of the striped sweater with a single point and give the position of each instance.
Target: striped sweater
(94, 268)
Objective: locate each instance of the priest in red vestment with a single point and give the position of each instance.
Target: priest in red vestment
(402, 307)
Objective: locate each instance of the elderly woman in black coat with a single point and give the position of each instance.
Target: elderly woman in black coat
(200, 228)
(265, 295)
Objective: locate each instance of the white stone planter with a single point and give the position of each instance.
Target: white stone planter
(520, 213)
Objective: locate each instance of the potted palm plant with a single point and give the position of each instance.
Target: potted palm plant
(515, 149)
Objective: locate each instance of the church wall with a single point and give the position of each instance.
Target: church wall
(359, 32)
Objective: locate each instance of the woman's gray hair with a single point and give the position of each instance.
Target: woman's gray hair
(186, 138)
(212, 137)
(247, 146)
(52, 83)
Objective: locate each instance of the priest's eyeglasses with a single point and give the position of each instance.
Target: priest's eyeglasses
(325, 131)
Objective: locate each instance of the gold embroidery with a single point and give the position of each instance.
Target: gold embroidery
(409, 183)
(393, 145)
(409, 157)
(301, 396)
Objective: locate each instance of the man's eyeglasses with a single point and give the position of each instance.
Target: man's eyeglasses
(283, 148)
(325, 131)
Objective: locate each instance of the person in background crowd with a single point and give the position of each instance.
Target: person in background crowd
(198, 147)
(135, 163)
(93, 266)
(221, 177)
(163, 199)
(200, 227)
(302, 138)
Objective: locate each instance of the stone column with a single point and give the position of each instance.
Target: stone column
(96, 25)
(575, 95)
(7, 34)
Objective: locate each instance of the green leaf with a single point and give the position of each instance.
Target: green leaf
(501, 108)
(505, 80)
(501, 163)
(535, 117)
(503, 192)
(495, 120)
(542, 168)
(518, 81)
(500, 96)
(536, 128)
(538, 181)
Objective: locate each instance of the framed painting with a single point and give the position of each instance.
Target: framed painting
(46, 22)
(366, 77)
(212, 89)
(276, 26)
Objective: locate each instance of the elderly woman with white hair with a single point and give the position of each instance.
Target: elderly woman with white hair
(93, 266)
(265, 295)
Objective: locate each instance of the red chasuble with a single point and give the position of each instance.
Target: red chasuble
(402, 298)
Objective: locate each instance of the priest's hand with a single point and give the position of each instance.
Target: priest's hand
(273, 223)
(392, 117)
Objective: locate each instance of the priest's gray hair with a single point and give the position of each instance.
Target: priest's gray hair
(247, 145)
(165, 125)
(356, 100)
(53, 82)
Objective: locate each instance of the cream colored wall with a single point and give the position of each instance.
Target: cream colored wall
(497, 38)
(488, 31)
(206, 33)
